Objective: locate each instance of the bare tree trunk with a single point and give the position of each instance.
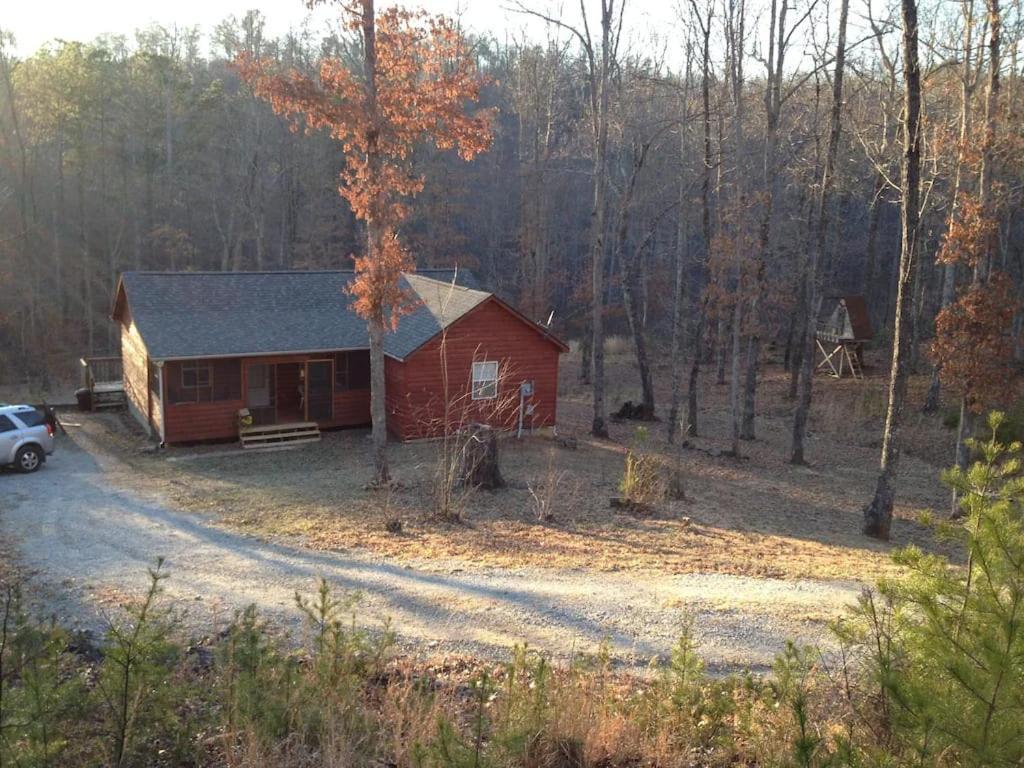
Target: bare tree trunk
(672, 428)
(694, 379)
(995, 25)
(818, 245)
(734, 387)
(378, 407)
(636, 327)
(680, 262)
(681, 258)
(586, 356)
(747, 426)
(773, 109)
(878, 514)
(597, 217)
(693, 383)
(721, 344)
(735, 19)
(598, 427)
(797, 360)
(630, 277)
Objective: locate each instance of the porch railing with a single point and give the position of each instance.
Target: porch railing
(101, 370)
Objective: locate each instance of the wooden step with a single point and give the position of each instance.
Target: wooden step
(279, 434)
(108, 399)
(279, 443)
(285, 427)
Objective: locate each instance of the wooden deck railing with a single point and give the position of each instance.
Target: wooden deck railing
(101, 370)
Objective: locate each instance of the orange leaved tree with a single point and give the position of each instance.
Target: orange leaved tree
(973, 352)
(418, 77)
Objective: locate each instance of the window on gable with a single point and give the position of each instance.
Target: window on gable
(485, 380)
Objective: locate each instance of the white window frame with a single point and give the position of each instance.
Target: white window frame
(485, 379)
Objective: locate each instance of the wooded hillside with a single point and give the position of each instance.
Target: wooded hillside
(151, 153)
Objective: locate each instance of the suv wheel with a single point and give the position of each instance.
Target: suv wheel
(28, 459)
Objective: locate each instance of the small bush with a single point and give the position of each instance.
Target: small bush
(617, 346)
(548, 491)
(643, 481)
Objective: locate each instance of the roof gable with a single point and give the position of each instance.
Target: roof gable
(537, 328)
(849, 319)
(435, 306)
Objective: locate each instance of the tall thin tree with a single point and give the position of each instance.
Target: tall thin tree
(818, 244)
(878, 513)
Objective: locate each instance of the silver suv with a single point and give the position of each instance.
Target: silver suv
(26, 437)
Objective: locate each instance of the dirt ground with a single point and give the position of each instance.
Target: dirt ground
(756, 516)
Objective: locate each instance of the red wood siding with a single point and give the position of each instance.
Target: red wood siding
(195, 422)
(192, 422)
(351, 408)
(416, 400)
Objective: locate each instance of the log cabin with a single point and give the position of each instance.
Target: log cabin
(207, 352)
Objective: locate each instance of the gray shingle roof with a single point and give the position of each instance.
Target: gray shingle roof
(222, 314)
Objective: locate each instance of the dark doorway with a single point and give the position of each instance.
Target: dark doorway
(291, 392)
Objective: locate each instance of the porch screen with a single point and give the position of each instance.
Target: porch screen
(204, 381)
(352, 370)
(319, 402)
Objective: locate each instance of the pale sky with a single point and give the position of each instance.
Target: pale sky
(34, 22)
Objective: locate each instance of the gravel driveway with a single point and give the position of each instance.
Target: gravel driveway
(86, 525)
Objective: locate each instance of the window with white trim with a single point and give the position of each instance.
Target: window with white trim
(485, 380)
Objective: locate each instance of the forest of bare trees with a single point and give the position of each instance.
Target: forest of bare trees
(701, 193)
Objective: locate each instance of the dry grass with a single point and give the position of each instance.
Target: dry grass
(757, 516)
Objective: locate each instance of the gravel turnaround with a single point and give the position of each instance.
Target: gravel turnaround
(88, 529)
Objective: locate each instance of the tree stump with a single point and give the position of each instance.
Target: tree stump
(478, 465)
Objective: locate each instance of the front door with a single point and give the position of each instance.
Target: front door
(319, 390)
(259, 396)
